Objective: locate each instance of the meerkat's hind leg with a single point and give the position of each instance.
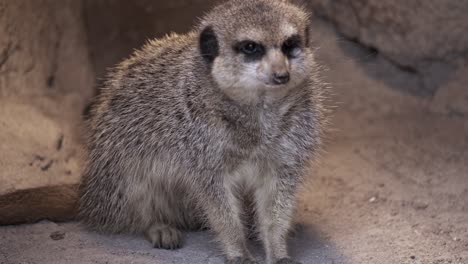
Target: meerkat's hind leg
(164, 236)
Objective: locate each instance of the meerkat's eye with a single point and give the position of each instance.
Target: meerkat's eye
(251, 49)
(292, 46)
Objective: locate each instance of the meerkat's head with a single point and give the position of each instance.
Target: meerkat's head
(256, 47)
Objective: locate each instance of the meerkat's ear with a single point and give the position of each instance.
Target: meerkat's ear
(307, 35)
(208, 44)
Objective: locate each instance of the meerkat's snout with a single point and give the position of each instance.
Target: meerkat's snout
(276, 66)
(281, 77)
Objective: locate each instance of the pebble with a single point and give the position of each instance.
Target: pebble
(57, 235)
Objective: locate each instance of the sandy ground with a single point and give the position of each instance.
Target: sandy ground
(391, 187)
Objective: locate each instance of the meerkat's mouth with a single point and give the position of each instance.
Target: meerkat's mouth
(271, 85)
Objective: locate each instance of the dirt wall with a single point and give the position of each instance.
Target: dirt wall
(46, 80)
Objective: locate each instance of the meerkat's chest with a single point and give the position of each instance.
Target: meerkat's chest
(270, 121)
(253, 172)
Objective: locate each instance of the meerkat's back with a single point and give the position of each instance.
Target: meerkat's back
(138, 111)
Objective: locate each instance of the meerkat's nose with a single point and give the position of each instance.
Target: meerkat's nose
(281, 77)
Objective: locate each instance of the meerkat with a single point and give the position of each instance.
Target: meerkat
(190, 125)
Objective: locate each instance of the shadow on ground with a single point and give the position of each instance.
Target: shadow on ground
(52, 243)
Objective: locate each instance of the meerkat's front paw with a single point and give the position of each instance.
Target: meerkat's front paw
(287, 261)
(164, 236)
(240, 260)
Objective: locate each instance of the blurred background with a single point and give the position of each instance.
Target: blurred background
(391, 186)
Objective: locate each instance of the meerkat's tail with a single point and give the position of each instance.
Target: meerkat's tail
(55, 203)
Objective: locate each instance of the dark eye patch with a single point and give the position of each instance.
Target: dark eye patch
(290, 45)
(252, 50)
(208, 44)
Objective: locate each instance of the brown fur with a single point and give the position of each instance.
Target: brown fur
(188, 126)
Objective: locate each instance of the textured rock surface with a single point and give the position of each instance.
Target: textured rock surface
(45, 81)
(424, 37)
(36, 149)
(43, 49)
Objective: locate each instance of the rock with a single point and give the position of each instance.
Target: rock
(419, 205)
(29, 155)
(46, 80)
(452, 99)
(43, 49)
(424, 37)
(57, 235)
